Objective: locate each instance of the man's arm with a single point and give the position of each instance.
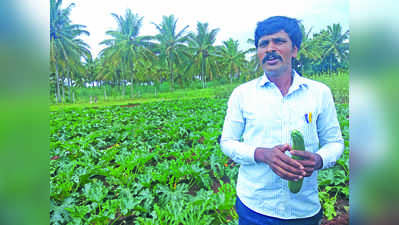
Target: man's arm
(329, 132)
(233, 128)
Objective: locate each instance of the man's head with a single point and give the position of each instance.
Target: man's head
(275, 24)
(277, 41)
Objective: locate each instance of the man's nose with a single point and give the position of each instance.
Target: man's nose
(270, 47)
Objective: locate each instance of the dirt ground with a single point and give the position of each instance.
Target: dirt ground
(342, 217)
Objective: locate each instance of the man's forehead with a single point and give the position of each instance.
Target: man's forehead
(280, 34)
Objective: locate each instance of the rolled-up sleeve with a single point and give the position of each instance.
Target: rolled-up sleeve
(329, 132)
(233, 128)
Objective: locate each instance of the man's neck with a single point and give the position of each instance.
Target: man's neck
(283, 82)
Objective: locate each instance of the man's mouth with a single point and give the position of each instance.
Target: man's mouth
(271, 59)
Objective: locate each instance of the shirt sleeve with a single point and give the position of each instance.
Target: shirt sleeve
(329, 132)
(233, 128)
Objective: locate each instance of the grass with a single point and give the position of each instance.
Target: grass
(338, 83)
(220, 91)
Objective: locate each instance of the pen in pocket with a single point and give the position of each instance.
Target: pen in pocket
(308, 117)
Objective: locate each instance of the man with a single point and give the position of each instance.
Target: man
(256, 134)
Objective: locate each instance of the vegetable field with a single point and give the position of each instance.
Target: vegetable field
(156, 163)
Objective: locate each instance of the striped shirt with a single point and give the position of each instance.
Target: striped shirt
(259, 116)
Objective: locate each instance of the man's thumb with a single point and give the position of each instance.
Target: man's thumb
(284, 147)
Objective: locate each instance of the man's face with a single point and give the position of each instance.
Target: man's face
(275, 52)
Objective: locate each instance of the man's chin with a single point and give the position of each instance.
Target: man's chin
(275, 72)
(272, 73)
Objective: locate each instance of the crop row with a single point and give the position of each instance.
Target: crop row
(155, 163)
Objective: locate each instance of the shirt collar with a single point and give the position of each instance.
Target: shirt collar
(263, 81)
(298, 81)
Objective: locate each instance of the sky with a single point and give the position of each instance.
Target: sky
(235, 19)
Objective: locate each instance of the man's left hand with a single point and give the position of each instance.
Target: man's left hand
(311, 161)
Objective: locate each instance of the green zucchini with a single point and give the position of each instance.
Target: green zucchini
(297, 144)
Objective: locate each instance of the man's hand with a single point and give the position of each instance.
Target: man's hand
(280, 163)
(311, 161)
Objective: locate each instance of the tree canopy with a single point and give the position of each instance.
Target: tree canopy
(179, 56)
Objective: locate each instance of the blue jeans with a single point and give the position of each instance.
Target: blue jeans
(248, 217)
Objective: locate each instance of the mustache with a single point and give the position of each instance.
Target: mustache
(271, 55)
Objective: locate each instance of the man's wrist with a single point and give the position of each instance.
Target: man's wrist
(319, 162)
(258, 154)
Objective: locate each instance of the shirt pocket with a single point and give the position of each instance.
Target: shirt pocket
(253, 115)
(257, 126)
(302, 122)
(252, 119)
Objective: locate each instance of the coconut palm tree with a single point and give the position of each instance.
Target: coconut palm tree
(254, 67)
(308, 54)
(66, 49)
(335, 47)
(126, 45)
(171, 44)
(201, 44)
(232, 58)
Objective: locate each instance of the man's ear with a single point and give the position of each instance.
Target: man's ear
(294, 52)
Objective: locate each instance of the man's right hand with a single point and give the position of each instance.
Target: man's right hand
(280, 163)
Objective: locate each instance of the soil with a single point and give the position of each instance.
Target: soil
(342, 217)
(124, 220)
(129, 105)
(216, 183)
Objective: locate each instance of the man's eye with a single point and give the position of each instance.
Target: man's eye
(279, 41)
(263, 44)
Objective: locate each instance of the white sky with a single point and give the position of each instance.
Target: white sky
(236, 19)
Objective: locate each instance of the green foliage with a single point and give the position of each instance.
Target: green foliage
(334, 182)
(189, 59)
(156, 163)
(66, 49)
(150, 161)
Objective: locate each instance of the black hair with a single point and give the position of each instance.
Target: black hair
(275, 24)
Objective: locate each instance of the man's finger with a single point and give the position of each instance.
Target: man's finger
(284, 147)
(303, 154)
(309, 170)
(307, 163)
(291, 169)
(292, 162)
(284, 174)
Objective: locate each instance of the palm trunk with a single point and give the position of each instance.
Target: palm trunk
(56, 97)
(231, 76)
(70, 86)
(57, 94)
(105, 93)
(123, 91)
(63, 88)
(171, 75)
(131, 86)
(203, 73)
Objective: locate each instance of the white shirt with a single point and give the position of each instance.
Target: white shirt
(259, 116)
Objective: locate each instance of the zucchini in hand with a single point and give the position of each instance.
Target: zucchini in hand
(297, 144)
